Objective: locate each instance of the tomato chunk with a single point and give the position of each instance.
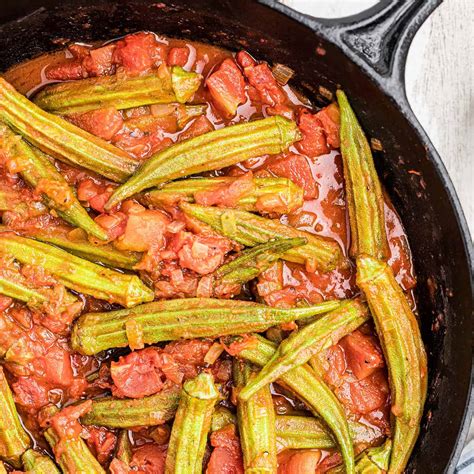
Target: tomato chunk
(101, 442)
(178, 56)
(227, 87)
(197, 127)
(314, 142)
(103, 123)
(226, 457)
(331, 122)
(298, 462)
(99, 61)
(149, 459)
(68, 70)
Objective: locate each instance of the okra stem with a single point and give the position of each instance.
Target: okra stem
(303, 344)
(256, 420)
(191, 426)
(75, 273)
(182, 318)
(210, 151)
(363, 190)
(184, 83)
(222, 417)
(14, 440)
(61, 139)
(36, 463)
(249, 229)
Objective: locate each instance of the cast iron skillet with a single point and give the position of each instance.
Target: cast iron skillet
(365, 55)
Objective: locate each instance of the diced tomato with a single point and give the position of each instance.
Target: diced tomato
(94, 194)
(117, 466)
(103, 123)
(68, 70)
(149, 458)
(30, 393)
(139, 52)
(337, 365)
(296, 168)
(198, 127)
(79, 51)
(189, 354)
(5, 302)
(331, 122)
(178, 56)
(298, 462)
(114, 223)
(99, 61)
(314, 142)
(244, 59)
(56, 364)
(226, 457)
(101, 442)
(363, 354)
(227, 87)
(98, 202)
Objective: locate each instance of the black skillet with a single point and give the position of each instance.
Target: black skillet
(365, 55)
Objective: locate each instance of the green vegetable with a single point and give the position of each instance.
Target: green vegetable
(181, 318)
(60, 139)
(363, 190)
(210, 151)
(256, 420)
(191, 426)
(41, 175)
(222, 417)
(36, 463)
(123, 451)
(76, 273)
(185, 83)
(249, 229)
(303, 344)
(14, 440)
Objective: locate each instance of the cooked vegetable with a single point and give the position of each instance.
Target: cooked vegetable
(256, 420)
(289, 195)
(185, 83)
(210, 151)
(222, 417)
(60, 139)
(363, 190)
(249, 229)
(403, 348)
(303, 344)
(14, 440)
(2, 468)
(310, 388)
(35, 168)
(36, 463)
(128, 413)
(76, 273)
(181, 318)
(123, 450)
(191, 426)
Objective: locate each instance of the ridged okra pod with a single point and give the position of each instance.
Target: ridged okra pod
(222, 417)
(123, 450)
(128, 413)
(191, 426)
(363, 190)
(184, 83)
(181, 318)
(14, 440)
(301, 345)
(256, 420)
(311, 389)
(35, 168)
(60, 139)
(210, 151)
(36, 463)
(76, 273)
(403, 348)
(249, 229)
(289, 195)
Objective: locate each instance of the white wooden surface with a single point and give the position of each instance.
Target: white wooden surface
(439, 80)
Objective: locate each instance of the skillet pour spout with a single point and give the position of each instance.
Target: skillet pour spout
(365, 55)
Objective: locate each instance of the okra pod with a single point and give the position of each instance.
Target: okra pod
(181, 318)
(210, 151)
(302, 345)
(288, 193)
(222, 417)
(363, 190)
(403, 348)
(128, 413)
(311, 389)
(36, 463)
(60, 139)
(41, 175)
(249, 229)
(76, 273)
(14, 440)
(185, 83)
(20, 292)
(191, 426)
(123, 450)
(251, 262)
(256, 420)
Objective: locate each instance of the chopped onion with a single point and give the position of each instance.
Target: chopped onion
(213, 353)
(282, 73)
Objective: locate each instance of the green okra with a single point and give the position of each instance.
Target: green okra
(404, 352)
(123, 450)
(222, 417)
(20, 292)
(256, 421)
(290, 195)
(39, 172)
(210, 151)
(186, 318)
(249, 229)
(302, 345)
(191, 426)
(76, 273)
(14, 440)
(37, 463)
(363, 190)
(310, 388)
(2, 468)
(60, 139)
(184, 83)
(130, 412)
(251, 262)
